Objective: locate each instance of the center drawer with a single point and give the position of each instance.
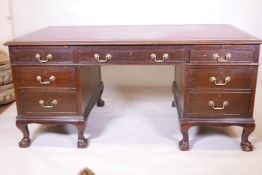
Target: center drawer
(45, 102)
(219, 104)
(133, 54)
(227, 77)
(44, 76)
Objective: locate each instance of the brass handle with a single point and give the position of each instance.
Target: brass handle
(212, 104)
(107, 57)
(164, 57)
(48, 57)
(219, 83)
(53, 103)
(49, 81)
(222, 59)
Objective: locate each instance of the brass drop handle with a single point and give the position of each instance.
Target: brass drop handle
(212, 104)
(222, 59)
(48, 57)
(219, 83)
(53, 103)
(107, 57)
(49, 81)
(164, 57)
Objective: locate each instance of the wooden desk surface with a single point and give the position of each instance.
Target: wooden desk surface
(214, 84)
(137, 35)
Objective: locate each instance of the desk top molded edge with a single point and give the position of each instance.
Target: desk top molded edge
(137, 35)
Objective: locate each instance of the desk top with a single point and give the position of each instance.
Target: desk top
(137, 35)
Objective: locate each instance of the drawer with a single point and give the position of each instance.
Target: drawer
(44, 76)
(41, 55)
(219, 104)
(43, 102)
(133, 54)
(225, 54)
(241, 77)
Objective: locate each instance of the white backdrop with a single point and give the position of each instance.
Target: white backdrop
(33, 14)
(30, 15)
(5, 23)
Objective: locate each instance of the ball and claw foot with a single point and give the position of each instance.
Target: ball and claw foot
(173, 103)
(184, 145)
(100, 103)
(246, 146)
(25, 143)
(82, 143)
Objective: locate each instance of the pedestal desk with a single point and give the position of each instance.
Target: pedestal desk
(57, 74)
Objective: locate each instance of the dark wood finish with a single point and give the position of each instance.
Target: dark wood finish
(245, 143)
(26, 141)
(239, 54)
(203, 55)
(73, 107)
(27, 76)
(27, 55)
(29, 102)
(238, 104)
(137, 35)
(133, 54)
(241, 77)
(193, 108)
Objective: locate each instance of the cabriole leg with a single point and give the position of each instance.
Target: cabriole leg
(173, 91)
(100, 102)
(26, 141)
(82, 142)
(184, 143)
(245, 144)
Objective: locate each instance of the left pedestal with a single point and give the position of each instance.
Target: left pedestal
(51, 90)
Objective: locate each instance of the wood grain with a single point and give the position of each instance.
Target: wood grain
(137, 35)
(191, 48)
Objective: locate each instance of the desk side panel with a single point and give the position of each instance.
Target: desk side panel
(90, 87)
(178, 88)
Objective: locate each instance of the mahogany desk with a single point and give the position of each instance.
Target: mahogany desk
(57, 75)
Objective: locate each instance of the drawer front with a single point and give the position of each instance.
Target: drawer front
(41, 55)
(242, 77)
(44, 76)
(219, 104)
(58, 103)
(133, 54)
(224, 54)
